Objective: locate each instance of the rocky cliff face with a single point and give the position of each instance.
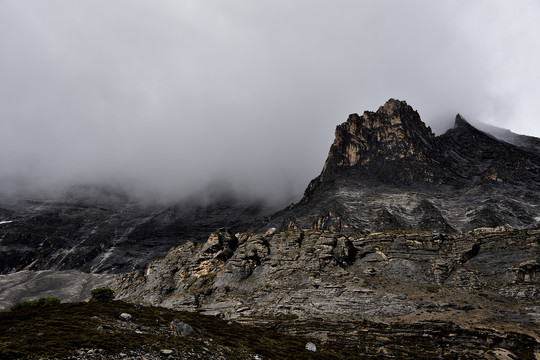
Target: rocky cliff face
(443, 287)
(387, 171)
(384, 146)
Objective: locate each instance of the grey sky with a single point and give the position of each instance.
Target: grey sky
(168, 96)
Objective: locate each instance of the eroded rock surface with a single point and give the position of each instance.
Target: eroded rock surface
(453, 284)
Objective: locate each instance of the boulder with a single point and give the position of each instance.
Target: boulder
(311, 347)
(125, 316)
(180, 328)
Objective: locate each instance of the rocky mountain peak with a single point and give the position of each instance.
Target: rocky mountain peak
(463, 129)
(460, 122)
(395, 131)
(476, 146)
(394, 107)
(372, 143)
(386, 170)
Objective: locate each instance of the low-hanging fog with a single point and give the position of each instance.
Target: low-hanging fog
(166, 97)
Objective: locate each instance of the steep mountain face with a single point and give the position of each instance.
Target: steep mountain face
(101, 231)
(387, 171)
(391, 145)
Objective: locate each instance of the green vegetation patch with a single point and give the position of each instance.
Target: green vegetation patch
(41, 302)
(210, 276)
(102, 293)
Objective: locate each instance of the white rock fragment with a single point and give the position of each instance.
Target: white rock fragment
(125, 316)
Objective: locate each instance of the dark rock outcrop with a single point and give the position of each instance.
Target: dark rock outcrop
(387, 171)
(180, 328)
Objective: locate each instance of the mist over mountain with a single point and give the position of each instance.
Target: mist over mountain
(404, 234)
(165, 99)
(386, 170)
(186, 154)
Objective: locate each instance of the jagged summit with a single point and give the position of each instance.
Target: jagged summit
(389, 145)
(460, 122)
(393, 145)
(387, 170)
(464, 129)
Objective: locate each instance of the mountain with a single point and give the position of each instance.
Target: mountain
(102, 230)
(408, 245)
(387, 171)
(432, 238)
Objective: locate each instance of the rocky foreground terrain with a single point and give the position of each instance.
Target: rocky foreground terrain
(467, 295)
(114, 330)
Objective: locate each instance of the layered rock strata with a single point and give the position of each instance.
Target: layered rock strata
(487, 279)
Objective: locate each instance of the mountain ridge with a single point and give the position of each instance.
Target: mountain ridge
(382, 163)
(385, 170)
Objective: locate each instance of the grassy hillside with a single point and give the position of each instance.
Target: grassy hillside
(95, 330)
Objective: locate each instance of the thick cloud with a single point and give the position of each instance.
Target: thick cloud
(168, 96)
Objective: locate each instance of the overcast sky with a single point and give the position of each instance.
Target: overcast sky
(170, 95)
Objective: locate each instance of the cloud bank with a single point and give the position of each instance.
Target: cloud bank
(170, 96)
